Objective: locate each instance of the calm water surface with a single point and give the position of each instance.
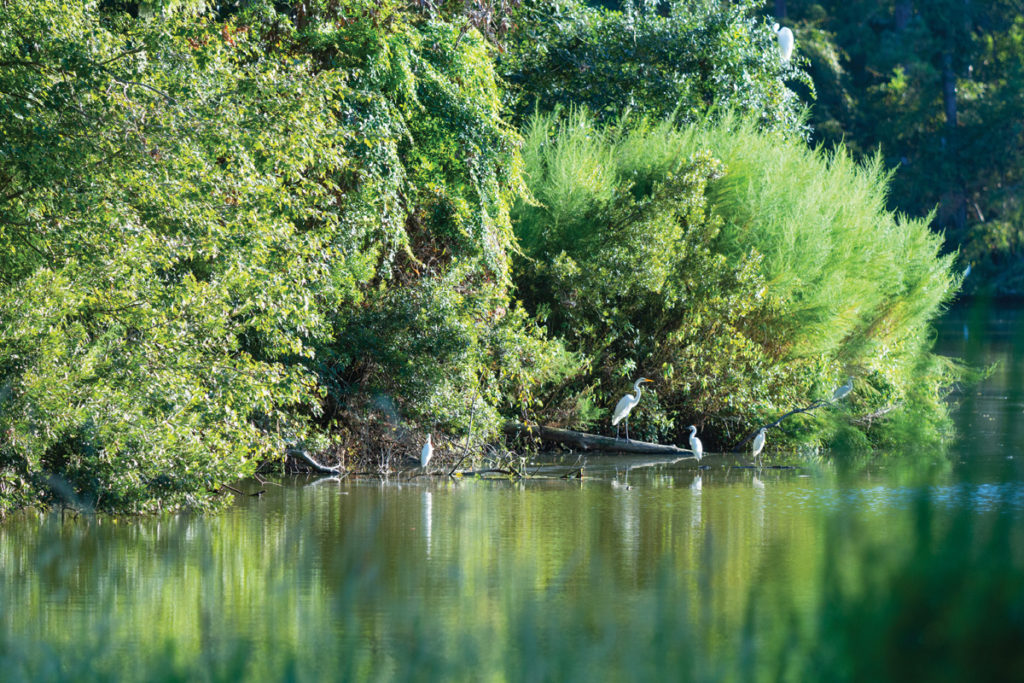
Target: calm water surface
(311, 563)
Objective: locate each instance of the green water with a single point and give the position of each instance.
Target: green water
(632, 572)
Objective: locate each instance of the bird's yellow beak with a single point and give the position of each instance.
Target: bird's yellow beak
(648, 380)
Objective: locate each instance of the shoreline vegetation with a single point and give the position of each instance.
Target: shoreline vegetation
(336, 227)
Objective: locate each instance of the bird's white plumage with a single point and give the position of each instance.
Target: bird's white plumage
(427, 453)
(843, 390)
(758, 444)
(623, 407)
(785, 38)
(626, 404)
(695, 445)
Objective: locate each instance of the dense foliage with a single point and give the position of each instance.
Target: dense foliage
(230, 231)
(206, 227)
(747, 272)
(652, 58)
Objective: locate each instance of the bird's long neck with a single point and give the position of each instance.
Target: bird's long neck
(638, 388)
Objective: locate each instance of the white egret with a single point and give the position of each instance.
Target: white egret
(843, 390)
(758, 444)
(427, 453)
(695, 445)
(785, 38)
(626, 404)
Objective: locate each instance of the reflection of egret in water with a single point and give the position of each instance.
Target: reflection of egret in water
(428, 516)
(759, 503)
(624, 484)
(696, 507)
(627, 520)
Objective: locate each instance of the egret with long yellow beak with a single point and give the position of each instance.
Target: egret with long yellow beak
(626, 404)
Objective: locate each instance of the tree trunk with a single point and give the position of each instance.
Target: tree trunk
(957, 196)
(902, 14)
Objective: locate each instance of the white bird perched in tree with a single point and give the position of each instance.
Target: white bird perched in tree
(843, 390)
(785, 38)
(626, 404)
(695, 445)
(427, 453)
(758, 444)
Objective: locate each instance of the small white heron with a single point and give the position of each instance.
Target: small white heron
(695, 445)
(626, 404)
(842, 391)
(785, 38)
(758, 444)
(427, 453)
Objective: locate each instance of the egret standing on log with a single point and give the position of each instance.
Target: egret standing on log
(695, 445)
(758, 444)
(427, 453)
(785, 37)
(843, 390)
(626, 404)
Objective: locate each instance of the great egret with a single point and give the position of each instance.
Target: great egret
(427, 453)
(843, 390)
(785, 38)
(626, 404)
(758, 444)
(695, 445)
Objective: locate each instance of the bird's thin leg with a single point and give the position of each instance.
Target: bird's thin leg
(616, 432)
(627, 429)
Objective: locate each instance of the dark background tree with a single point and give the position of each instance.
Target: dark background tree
(937, 87)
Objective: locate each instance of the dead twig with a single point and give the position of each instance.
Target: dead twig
(469, 434)
(881, 412)
(751, 435)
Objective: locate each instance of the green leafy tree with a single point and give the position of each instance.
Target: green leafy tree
(651, 58)
(200, 217)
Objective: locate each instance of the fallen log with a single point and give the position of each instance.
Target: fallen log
(592, 442)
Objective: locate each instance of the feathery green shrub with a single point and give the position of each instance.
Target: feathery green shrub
(745, 272)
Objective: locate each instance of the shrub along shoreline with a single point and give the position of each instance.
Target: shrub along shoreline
(226, 235)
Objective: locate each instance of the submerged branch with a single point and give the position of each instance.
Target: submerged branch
(302, 455)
